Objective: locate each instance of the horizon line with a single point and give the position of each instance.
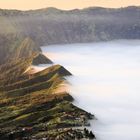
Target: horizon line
(69, 9)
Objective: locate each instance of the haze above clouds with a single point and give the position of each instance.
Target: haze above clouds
(64, 4)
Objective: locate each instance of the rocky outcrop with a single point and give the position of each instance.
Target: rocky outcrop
(41, 59)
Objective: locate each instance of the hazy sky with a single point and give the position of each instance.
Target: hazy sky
(64, 4)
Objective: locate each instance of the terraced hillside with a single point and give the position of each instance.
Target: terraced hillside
(32, 106)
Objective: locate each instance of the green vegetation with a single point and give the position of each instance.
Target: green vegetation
(31, 104)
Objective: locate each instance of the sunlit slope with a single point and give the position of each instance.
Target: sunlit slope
(33, 105)
(34, 100)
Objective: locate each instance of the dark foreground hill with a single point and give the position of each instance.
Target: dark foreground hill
(32, 106)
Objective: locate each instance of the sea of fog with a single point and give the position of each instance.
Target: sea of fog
(105, 82)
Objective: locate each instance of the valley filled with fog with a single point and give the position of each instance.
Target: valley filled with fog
(105, 82)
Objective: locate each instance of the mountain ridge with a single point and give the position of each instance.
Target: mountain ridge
(53, 26)
(75, 9)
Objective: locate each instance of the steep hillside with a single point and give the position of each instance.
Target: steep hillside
(13, 48)
(32, 105)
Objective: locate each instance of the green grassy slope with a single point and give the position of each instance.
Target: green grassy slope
(34, 105)
(32, 102)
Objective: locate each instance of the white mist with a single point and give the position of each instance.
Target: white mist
(105, 82)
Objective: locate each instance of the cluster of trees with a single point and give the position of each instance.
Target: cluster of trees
(89, 134)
